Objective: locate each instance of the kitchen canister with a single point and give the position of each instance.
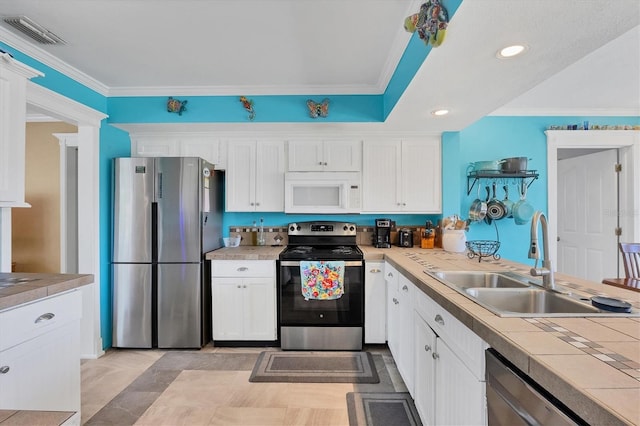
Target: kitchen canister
(454, 240)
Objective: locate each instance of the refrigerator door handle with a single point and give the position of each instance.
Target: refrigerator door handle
(159, 185)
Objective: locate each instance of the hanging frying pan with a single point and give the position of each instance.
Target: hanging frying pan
(495, 207)
(508, 204)
(522, 210)
(478, 209)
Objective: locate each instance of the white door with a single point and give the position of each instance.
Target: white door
(381, 174)
(587, 212)
(259, 308)
(240, 190)
(270, 169)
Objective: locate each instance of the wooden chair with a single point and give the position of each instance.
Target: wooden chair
(631, 258)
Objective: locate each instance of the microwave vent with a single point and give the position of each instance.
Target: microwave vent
(33, 30)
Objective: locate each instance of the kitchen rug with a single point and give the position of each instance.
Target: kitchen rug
(315, 367)
(382, 409)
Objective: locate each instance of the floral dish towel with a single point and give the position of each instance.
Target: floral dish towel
(322, 280)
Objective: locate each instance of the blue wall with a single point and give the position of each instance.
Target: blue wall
(494, 138)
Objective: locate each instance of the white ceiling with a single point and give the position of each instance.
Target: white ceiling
(583, 56)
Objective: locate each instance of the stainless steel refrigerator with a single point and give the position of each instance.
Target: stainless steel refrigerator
(167, 216)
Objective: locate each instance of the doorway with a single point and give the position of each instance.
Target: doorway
(36, 244)
(587, 213)
(628, 145)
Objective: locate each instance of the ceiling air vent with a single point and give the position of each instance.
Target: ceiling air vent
(36, 31)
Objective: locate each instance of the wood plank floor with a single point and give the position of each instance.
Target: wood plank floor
(120, 388)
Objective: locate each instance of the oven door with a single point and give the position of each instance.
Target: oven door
(295, 310)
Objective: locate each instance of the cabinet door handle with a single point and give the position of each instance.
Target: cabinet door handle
(44, 317)
(395, 301)
(375, 271)
(435, 355)
(242, 269)
(405, 288)
(390, 274)
(238, 286)
(427, 348)
(4, 369)
(319, 163)
(252, 204)
(439, 319)
(244, 286)
(325, 164)
(257, 204)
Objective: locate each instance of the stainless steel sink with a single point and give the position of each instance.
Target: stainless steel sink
(509, 294)
(464, 280)
(529, 302)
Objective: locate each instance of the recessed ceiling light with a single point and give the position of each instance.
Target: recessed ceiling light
(440, 112)
(511, 51)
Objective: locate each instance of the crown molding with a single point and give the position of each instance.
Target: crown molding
(62, 107)
(234, 90)
(48, 59)
(590, 112)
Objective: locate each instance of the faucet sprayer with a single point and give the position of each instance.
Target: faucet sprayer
(546, 271)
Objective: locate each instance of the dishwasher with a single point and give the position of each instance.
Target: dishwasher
(513, 398)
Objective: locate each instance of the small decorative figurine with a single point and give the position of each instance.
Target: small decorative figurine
(248, 105)
(318, 109)
(430, 22)
(175, 105)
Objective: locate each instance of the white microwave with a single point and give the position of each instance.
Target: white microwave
(322, 192)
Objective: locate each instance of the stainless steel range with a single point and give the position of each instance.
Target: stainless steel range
(321, 288)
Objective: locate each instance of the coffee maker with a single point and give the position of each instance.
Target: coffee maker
(382, 233)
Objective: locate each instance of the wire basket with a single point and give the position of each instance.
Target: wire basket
(483, 248)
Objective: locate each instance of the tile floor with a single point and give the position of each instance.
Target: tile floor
(117, 389)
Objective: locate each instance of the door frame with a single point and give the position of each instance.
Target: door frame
(606, 139)
(65, 140)
(88, 122)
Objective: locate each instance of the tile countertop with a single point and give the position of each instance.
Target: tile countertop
(246, 253)
(590, 364)
(22, 287)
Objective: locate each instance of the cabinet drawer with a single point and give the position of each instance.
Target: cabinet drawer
(34, 319)
(465, 343)
(242, 268)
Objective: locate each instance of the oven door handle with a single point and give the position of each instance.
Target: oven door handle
(297, 263)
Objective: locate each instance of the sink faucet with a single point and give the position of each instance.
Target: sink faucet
(546, 271)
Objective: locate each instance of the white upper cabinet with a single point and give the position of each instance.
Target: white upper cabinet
(402, 176)
(255, 176)
(204, 146)
(325, 155)
(13, 110)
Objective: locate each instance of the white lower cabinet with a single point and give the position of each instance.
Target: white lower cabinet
(405, 363)
(40, 355)
(243, 300)
(393, 310)
(441, 361)
(375, 303)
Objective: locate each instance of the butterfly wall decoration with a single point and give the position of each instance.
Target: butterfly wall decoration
(318, 109)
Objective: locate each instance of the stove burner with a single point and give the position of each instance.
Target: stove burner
(301, 249)
(342, 250)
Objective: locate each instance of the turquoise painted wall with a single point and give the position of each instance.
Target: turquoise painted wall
(494, 138)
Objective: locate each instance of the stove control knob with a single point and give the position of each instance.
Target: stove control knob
(298, 228)
(344, 228)
(352, 228)
(292, 228)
